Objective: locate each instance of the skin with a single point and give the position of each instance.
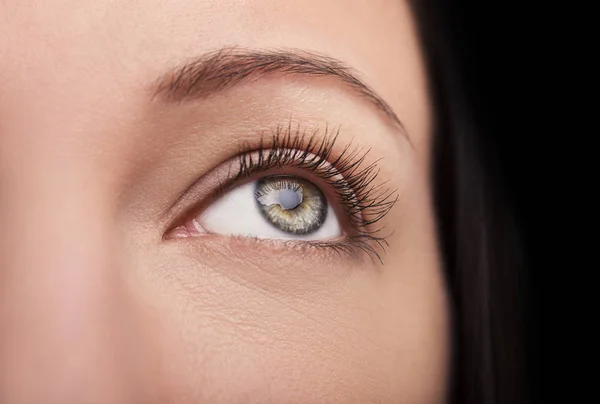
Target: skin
(97, 306)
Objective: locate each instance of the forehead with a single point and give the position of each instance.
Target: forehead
(151, 34)
(72, 54)
(150, 26)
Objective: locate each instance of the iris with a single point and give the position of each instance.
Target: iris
(291, 204)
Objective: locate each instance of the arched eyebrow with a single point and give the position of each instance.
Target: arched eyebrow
(228, 67)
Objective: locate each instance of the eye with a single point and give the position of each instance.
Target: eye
(276, 200)
(277, 206)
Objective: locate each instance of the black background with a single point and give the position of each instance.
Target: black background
(501, 62)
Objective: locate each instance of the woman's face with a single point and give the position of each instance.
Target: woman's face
(217, 202)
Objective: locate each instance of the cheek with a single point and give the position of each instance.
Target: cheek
(221, 337)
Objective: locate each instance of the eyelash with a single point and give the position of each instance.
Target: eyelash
(352, 182)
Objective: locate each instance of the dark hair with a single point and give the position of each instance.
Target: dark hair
(479, 237)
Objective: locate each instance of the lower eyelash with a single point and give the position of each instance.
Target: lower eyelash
(365, 243)
(354, 246)
(364, 203)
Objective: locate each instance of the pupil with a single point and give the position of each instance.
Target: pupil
(290, 199)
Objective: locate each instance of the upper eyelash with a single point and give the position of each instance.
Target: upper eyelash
(347, 174)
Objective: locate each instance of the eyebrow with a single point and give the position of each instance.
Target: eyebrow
(220, 70)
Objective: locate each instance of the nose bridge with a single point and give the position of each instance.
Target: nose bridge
(65, 312)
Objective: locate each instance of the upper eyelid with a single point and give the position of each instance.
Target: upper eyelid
(293, 142)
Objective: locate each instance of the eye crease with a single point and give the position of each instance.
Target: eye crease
(301, 188)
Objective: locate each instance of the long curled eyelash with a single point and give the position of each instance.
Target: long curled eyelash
(363, 202)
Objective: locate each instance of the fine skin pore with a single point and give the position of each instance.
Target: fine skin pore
(117, 133)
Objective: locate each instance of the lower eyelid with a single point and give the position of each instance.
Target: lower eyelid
(242, 248)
